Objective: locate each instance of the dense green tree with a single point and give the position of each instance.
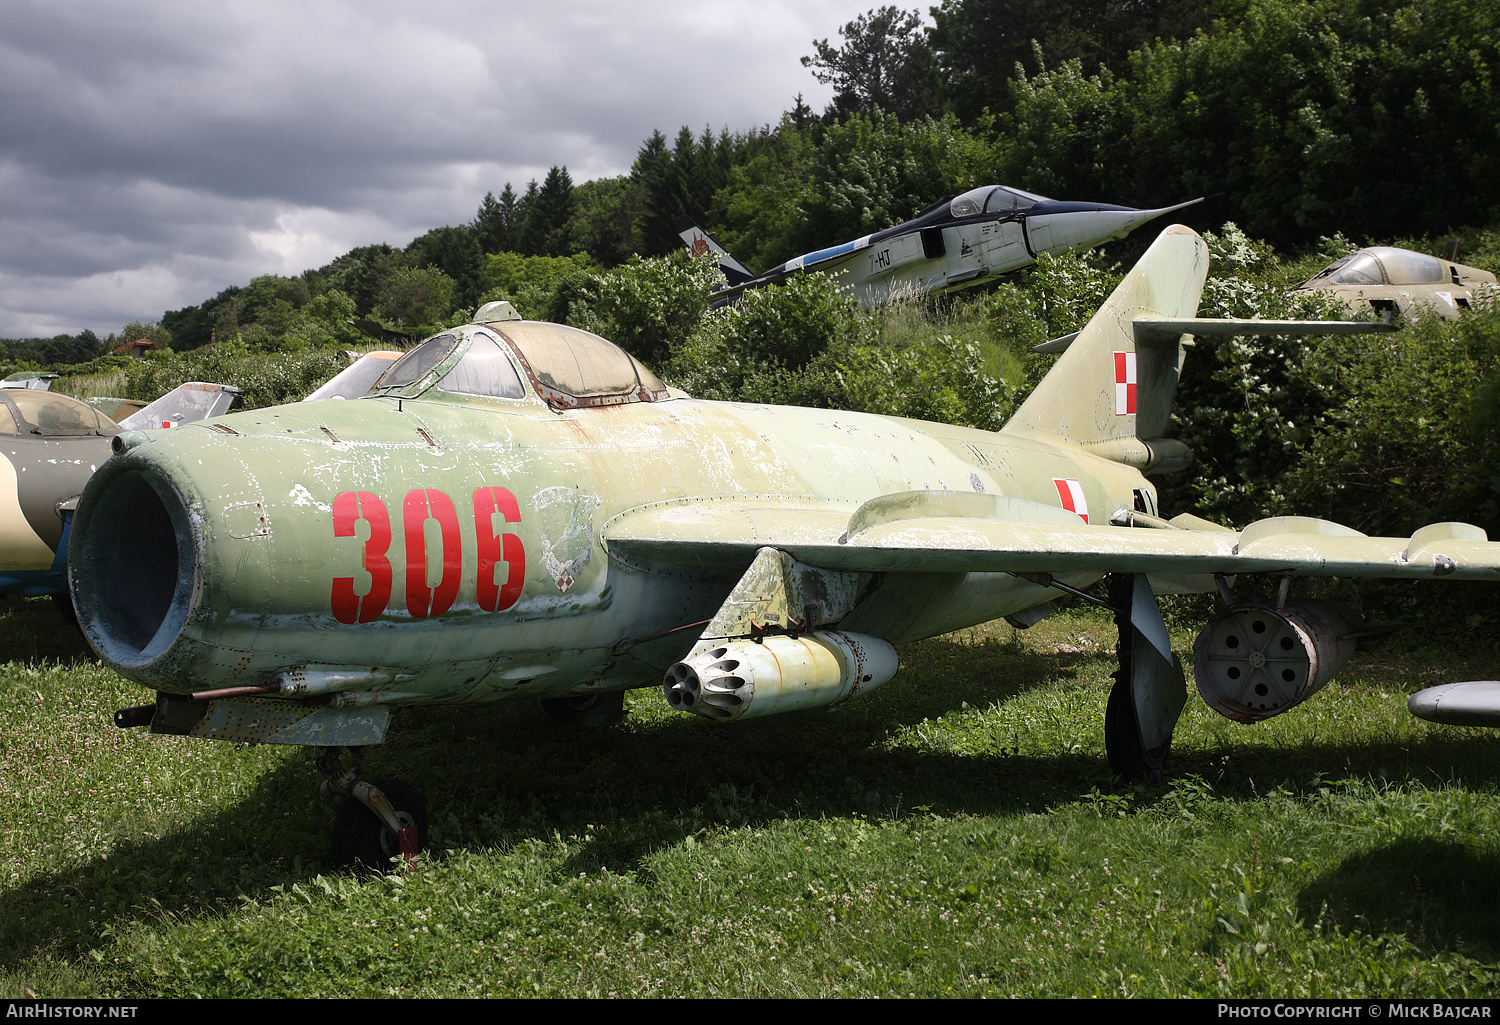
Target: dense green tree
(605, 214)
(654, 169)
(416, 298)
(885, 63)
(757, 215)
(649, 307)
(59, 349)
(497, 223)
(872, 172)
(530, 282)
(455, 252)
(544, 232)
(361, 274)
(1352, 100)
(980, 43)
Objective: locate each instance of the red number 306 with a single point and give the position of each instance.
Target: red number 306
(421, 505)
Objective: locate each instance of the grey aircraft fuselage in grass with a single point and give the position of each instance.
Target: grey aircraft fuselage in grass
(521, 510)
(957, 242)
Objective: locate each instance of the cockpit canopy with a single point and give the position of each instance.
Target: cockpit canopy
(1382, 265)
(992, 199)
(26, 411)
(567, 367)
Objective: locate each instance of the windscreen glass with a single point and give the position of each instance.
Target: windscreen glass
(1004, 199)
(420, 362)
(971, 202)
(356, 380)
(1359, 269)
(484, 370)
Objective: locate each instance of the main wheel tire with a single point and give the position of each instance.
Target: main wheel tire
(359, 839)
(587, 709)
(64, 606)
(1122, 736)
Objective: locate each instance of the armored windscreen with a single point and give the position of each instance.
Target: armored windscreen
(1359, 269)
(420, 362)
(357, 379)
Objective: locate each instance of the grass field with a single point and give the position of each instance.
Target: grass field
(956, 833)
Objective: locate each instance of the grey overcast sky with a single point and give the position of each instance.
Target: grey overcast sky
(153, 152)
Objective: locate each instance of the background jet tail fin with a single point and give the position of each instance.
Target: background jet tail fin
(1111, 390)
(195, 400)
(701, 243)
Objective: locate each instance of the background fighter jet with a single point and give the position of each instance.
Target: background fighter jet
(956, 242)
(49, 447)
(1389, 280)
(523, 510)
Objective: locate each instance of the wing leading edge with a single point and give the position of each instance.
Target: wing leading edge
(955, 532)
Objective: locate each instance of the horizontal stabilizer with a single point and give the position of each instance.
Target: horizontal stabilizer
(1056, 345)
(1167, 330)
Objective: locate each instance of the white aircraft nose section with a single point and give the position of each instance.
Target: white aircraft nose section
(1081, 229)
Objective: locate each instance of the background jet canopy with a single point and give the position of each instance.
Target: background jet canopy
(992, 199)
(1381, 265)
(38, 412)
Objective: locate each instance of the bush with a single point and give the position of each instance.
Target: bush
(264, 379)
(648, 307)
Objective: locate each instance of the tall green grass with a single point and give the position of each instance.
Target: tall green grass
(955, 833)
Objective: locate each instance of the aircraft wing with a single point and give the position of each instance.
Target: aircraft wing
(956, 532)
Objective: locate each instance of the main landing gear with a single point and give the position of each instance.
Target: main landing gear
(375, 822)
(1149, 690)
(586, 709)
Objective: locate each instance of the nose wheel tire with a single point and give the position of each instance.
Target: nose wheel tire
(361, 840)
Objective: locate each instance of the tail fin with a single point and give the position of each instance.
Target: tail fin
(701, 243)
(1111, 390)
(182, 405)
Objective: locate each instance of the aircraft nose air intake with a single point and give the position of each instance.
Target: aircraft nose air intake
(131, 564)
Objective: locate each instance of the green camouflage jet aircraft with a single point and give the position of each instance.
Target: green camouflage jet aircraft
(522, 510)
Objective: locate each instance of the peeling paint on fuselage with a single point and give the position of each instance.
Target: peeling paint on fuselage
(267, 554)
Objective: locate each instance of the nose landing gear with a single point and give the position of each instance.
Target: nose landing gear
(376, 821)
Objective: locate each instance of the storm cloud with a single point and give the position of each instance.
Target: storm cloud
(152, 153)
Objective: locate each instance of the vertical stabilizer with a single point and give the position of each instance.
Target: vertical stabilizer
(701, 243)
(1112, 390)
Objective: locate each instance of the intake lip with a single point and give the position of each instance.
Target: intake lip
(131, 561)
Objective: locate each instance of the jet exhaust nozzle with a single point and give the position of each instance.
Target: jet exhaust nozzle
(1255, 661)
(742, 679)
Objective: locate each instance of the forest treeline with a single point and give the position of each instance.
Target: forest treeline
(1371, 118)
